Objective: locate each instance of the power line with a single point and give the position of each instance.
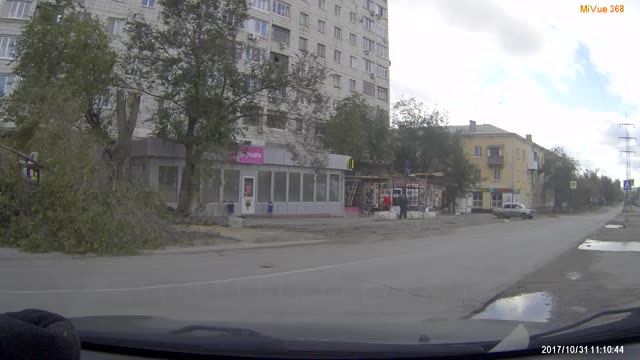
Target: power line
(628, 152)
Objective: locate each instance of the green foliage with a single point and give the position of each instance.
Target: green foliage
(188, 62)
(76, 208)
(560, 170)
(359, 130)
(65, 71)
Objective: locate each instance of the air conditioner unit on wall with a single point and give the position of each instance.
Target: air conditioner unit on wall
(362, 19)
(372, 13)
(260, 129)
(372, 75)
(253, 36)
(366, 52)
(283, 45)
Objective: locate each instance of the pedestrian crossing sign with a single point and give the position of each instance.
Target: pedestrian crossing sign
(628, 184)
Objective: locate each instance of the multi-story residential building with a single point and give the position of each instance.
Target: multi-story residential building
(351, 37)
(510, 168)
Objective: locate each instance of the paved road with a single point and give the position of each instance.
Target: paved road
(426, 276)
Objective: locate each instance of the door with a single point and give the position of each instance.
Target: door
(249, 195)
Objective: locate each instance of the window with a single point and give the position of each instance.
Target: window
(380, 11)
(535, 156)
(280, 34)
(368, 88)
(336, 80)
(304, 19)
(231, 186)
(353, 40)
(256, 54)
(264, 186)
(280, 187)
(337, 11)
(258, 26)
(321, 191)
(280, 8)
(321, 50)
(210, 186)
(368, 44)
(337, 55)
(382, 51)
(368, 65)
(278, 59)
(383, 71)
(517, 154)
(477, 200)
(337, 33)
(322, 4)
(352, 85)
(368, 4)
(494, 151)
(303, 44)
(383, 93)
(148, 3)
(479, 174)
(299, 125)
(353, 18)
(16, 9)
(354, 62)
(238, 51)
(168, 183)
(114, 25)
(7, 46)
(336, 105)
(321, 26)
(260, 4)
(496, 174)
(6, 84)
(252, 115)
(496, 200)
(368, 23)
(308, 184)
(334, 188)
(294, 187)
(477, 151)
(276, 120)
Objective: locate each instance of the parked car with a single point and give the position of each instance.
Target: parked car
(509, 210)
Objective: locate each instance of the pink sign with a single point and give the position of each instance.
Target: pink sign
(251, 155)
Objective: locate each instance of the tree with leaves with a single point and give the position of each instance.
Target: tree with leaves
(560, 170)
(359, 130)
(189, 62)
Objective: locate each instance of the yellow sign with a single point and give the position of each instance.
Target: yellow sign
(351, 164)
(573, 184)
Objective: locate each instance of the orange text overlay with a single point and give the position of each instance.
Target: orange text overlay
(601, 9)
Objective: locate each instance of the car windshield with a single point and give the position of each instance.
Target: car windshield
(321, 164)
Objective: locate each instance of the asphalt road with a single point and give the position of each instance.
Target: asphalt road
(407, 278)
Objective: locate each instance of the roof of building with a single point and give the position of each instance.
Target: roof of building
(484, 129)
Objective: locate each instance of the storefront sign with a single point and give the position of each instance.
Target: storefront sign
(251, 155)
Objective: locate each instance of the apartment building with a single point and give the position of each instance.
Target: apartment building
(351, 37)
(510, 168)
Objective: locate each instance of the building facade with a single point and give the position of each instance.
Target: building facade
(350, 37)
(510, 168)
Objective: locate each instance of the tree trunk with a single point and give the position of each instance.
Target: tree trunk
(127, 109)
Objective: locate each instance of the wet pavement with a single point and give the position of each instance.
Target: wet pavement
(600, 273)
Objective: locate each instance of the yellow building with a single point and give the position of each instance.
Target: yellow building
(510, 168)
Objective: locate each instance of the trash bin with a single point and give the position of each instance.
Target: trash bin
(230, 208)
(270, 208)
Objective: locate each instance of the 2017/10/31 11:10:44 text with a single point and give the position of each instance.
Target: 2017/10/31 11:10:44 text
(599, 9)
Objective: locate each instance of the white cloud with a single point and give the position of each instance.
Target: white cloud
(452, 53)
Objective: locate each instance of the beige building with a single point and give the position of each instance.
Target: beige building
(350, 35)
(510, 166)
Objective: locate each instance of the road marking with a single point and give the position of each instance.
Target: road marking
(209, 282)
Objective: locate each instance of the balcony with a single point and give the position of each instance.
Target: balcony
(495, 160)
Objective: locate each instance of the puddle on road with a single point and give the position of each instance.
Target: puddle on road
(597, 245)
(613, 226)
(534, 307)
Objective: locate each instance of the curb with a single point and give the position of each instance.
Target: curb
(243, 246)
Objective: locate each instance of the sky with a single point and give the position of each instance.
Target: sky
(530, 67)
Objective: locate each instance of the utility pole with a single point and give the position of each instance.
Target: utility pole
(628, 152)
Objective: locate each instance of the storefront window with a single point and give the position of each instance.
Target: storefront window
(210, 179)
(496, 200)
(231, 186)
(168, 183)
(477, 200)
(294, 187)
(334, 188)
(307, 187)
(321, 192)
(264, 186)
(280, 187)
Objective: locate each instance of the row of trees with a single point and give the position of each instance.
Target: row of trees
(591, 190)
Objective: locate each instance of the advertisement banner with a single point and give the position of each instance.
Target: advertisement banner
(250, 155)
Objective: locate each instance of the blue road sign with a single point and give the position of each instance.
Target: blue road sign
(627, 184)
